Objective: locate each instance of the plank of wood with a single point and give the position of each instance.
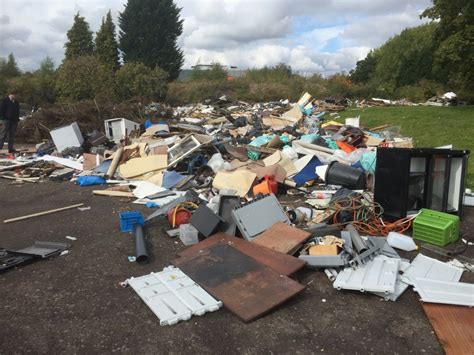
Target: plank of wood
(283, 264)
(453, 326)
(282, 238)
(246, 287)
(42, 213)
(113, 193)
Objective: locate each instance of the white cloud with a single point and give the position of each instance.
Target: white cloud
(323, 36)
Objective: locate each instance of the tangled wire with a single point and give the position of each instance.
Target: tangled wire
(365, 215)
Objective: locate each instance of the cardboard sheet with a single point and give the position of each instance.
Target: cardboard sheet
(273, 159)
(139, 166)
(240, 181)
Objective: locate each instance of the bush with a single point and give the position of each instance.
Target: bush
(35, 89)
(217, 72)
(85, 78)
(137, 80)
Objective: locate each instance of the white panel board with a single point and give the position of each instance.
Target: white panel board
(173, 296)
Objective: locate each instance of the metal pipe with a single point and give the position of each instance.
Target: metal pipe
(140, 244)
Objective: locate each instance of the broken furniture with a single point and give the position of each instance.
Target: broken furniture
(67, 137)
(247, 287)
(453, 326)
(258, 215)
(117, 129)
(182, 149)
(407, 180)
(281, 263)
(282, 237)
(172, 295)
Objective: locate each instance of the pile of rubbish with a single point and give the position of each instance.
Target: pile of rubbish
(257, 192)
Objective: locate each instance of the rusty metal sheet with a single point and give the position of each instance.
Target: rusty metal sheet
(453, 326)
(282, 238)
(247, 287)
(281, 263)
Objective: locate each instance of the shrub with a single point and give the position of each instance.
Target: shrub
(84, 78)
(137, 80)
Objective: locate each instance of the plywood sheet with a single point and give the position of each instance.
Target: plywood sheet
(453, 326)
(246, 287)
(281, 263)
(282, 238)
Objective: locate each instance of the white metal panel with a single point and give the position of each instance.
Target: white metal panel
(457, 293)
(377, 275)
(426, 267)
(173, 296)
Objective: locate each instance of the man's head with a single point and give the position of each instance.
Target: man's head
(13, 95)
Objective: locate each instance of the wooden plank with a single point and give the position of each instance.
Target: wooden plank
(42, 213)
(454, 327)
(282, 238)
(246, 287)
(281, 263)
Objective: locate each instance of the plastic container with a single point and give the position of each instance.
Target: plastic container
(266, 187)
(401, 241)
(129, 219)
(435, 227)
(188, 234)
(346, 176)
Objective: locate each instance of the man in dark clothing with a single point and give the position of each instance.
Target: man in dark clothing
(10, 115)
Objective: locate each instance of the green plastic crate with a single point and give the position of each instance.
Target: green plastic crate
(435, 227)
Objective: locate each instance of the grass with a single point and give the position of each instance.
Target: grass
(428, 126)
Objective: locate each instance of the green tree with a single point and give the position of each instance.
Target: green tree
(9, 68)
(135, 79)
(106, 46)
(47, 66)
(149, 30)
(79, 37)
(364, 69)
(84, 78)
(454, 38)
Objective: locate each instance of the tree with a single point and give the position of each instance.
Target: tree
(80, 41)
(9, 67)
(84, 78)
(454, 38)
(364, 69)
(106, 46)
(149, 30)
(47, 66)
(138, 80)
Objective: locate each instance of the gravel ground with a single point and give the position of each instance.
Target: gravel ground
(74, 304)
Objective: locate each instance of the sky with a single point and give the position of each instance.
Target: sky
(313, 36)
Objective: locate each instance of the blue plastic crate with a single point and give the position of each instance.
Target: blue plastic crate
(129, 219)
